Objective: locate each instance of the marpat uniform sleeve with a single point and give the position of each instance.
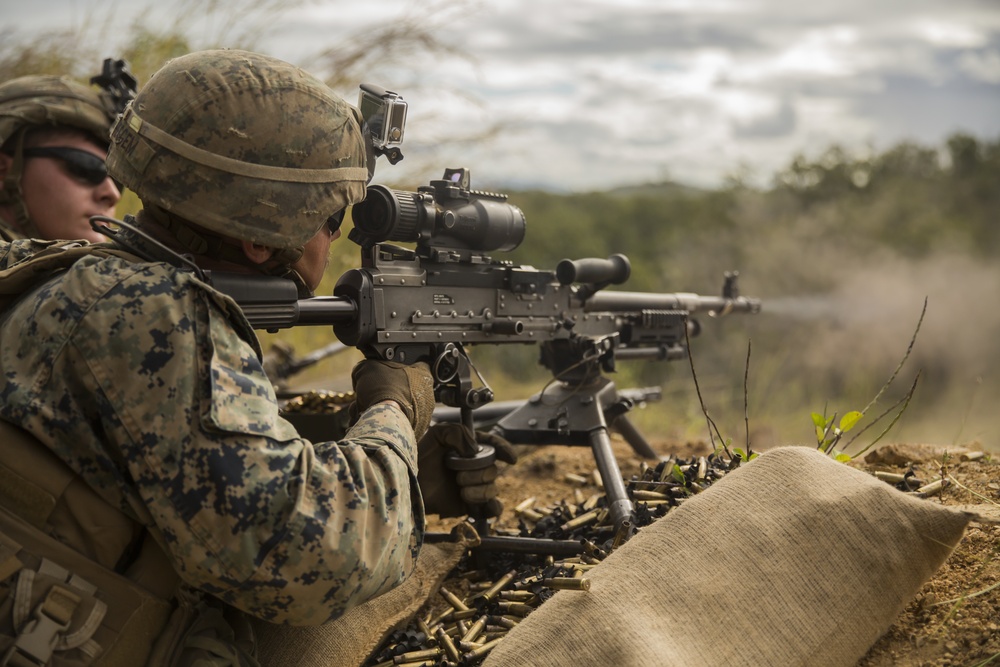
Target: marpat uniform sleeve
(282, 528)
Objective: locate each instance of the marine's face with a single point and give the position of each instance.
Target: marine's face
(62, 193)
(316, 255)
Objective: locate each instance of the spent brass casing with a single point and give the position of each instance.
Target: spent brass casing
(567, 584)
(418, 656)
(525, 504)
(649, 495)
(517, 596)
(702, 468)
(475, 629)
(497, 586)
(935, 487)
(583, 519)
(448, 645)
(453, 600)
(518, 608)
(667, 470)
(482, 650)
(592, 549)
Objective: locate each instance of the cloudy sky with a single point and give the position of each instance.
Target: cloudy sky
(599, 93)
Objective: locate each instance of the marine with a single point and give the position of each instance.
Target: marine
(54, 135)
(153, 497)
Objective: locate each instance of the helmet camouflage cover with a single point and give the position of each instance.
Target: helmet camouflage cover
(241, 144)
(44, 100)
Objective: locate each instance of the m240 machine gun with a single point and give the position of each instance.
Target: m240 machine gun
(436, 301)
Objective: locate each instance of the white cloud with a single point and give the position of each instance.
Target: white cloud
(944, 32)
(598, 93)
(982, 66)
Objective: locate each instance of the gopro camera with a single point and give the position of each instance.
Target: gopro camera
(385, 114)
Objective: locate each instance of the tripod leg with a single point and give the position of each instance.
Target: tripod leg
(619, 505)
(633, 437)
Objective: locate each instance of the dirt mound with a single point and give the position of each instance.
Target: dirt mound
(954, 620)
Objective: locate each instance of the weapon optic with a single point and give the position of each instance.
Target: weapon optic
(436, 301)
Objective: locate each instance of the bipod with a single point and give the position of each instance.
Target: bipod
(578, 415)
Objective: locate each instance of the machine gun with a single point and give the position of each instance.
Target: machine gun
(436, 301)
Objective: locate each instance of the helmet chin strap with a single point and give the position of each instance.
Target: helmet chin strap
(198, 242)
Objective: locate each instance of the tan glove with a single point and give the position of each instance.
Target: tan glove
(448, 492)
(411, 386)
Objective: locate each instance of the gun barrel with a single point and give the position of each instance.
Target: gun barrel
(326, 310)
(609, 301)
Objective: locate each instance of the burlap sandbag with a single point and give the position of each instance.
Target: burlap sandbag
(348, 641)
(793, 559)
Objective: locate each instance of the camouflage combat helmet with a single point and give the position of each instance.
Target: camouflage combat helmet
(46, 101)
(55, 101)
(243, 145)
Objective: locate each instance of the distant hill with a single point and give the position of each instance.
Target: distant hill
(654, 190)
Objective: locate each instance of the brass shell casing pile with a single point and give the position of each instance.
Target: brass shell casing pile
(469, 626)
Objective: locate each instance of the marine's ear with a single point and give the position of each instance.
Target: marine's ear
(255, 252)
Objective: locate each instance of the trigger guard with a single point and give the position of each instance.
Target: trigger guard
(443, 361)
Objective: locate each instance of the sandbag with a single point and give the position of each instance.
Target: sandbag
(348, 641)
(792, 559)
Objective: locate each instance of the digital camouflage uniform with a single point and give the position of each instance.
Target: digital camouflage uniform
(149, 385)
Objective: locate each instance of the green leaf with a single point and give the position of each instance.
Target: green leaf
(677, 474)
(850, 420)
(820, 422)
(843, 458)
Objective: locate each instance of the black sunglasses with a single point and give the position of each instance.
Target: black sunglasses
(334, 222)
(82, 164)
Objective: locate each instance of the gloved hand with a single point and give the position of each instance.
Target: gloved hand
(448, 492)
(411, 386)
